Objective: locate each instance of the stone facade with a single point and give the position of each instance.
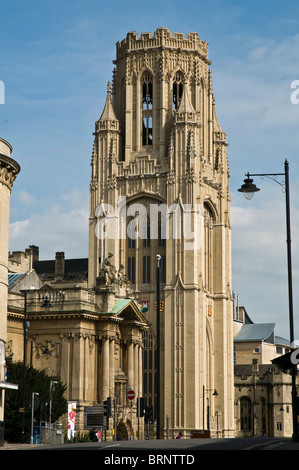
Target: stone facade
(90, 339)
(263, 392)
(158, 143)
(263, 404)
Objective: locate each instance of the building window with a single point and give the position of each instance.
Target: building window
(146, 234)
(263, 413)
(209, 248)
(147, 109)
(131, 269)
(146, 269)
(163, 268)
(245, 414)
(177, 90)
(279, 426)
(161, 234)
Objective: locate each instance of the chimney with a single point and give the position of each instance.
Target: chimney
(255, 366)
(59, 265)
(33, 252)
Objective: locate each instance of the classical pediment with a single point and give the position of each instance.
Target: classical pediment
(128, 310)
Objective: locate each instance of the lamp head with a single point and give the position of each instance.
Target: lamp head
(248, 188)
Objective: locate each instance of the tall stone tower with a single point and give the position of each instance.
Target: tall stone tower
(160, 185)
(9, 170)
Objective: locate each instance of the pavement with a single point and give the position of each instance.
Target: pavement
(289, 445)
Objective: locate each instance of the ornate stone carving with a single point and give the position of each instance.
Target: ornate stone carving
(110, 275)
(9, 170)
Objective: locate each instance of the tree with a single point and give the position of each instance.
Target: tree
(36, 381)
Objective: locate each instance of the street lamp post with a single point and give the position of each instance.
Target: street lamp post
(24, 365)
(32, 414)
(158, 411)
(204, 390)
(52, 389)
(248, 188)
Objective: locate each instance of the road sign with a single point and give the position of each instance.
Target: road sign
(130, 394)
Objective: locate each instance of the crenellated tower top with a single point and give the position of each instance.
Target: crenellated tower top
(162, 38)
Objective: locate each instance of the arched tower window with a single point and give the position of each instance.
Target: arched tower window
(209, 247)
(142, 245)
(131, 246)
(146, 258)
(147, 109)
(177, 90)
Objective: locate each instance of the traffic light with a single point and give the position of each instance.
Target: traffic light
(107, 407)
(140, 406)
(148, 414)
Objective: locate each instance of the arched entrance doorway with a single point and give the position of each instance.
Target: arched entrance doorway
(122, 432)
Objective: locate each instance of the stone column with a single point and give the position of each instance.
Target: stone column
(9, 170)
(111, 369)
(136, 369)
(65, 361)
(130, 373)
(140, 372)
(105, 368)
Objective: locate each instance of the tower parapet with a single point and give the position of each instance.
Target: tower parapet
(163, 38)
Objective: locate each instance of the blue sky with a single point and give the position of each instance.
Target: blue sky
(56, 60)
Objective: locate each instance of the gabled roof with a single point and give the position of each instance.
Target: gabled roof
(282, 341)
(129, 308)
(120, 304)
(256, 332)
(23, 281)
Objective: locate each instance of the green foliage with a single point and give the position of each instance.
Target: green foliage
(77, 437)
(35, 381)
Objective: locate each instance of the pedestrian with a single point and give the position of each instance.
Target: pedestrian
(179, 436)
(92, 435)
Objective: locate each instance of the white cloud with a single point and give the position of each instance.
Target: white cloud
(61, 227)
(24, 197)
(260, 275)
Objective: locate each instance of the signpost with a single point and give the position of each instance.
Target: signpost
(131, 396)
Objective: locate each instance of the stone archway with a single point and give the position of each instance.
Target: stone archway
(122, 432)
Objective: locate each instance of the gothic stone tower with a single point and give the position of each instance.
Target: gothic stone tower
(159, 170)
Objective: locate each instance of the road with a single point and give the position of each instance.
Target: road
(169, 447)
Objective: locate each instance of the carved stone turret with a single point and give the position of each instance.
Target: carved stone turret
(9, 170)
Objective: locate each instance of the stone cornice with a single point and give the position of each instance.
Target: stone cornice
(9, 170)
